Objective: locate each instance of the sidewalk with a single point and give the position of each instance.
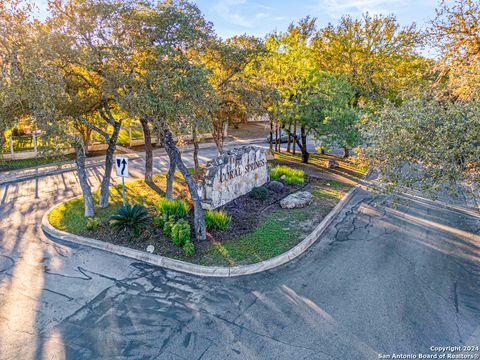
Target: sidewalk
(58, 168)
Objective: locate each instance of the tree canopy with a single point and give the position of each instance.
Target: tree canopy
(456, 30)
(95, 65)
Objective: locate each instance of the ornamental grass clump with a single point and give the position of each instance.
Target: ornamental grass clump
(130, 218)
(217, 220)
(292, 176)
(173, 207)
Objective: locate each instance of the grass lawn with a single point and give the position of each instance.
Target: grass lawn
(7, 165)
(276, 234)
(349, 167)
(124, 136)
(278, 229)
(22, 143)
(69, 215)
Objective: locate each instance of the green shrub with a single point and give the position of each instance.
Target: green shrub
(217, 220)
(159, 221)
(168, 223)
(177, 208)
(92, 223)
(188, 249)
(181, 232)
(129, 218)
(292, 176)
(259, 193)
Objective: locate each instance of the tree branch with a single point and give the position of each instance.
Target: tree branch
(94, 128)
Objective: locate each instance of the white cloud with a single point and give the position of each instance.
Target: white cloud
(231, 10)
(337, 8)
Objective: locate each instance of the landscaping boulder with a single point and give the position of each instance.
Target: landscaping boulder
(330, 163)
(297, 200)
(276, 186)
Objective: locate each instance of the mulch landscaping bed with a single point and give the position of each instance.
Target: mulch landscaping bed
(245, 211)
(258, 229)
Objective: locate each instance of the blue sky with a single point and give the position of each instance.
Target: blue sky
(258, 17)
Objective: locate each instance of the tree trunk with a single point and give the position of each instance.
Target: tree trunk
(271, 134)
(148, 151)
(218, 133)
(105, 186)
(294, 135)
(289, 137)
(86, 134)
(301, 144)
(170, 176)
(195, 152)
(199, 217)
(2, 144)
(276, 137)
(82, 178)
(158, 133)
(345, 152)
(279, 140)
(225, 131)
(305, 153)
(322, 150)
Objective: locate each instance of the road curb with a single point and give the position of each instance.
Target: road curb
(200, 270)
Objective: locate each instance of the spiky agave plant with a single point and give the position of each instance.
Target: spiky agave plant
(130, 218)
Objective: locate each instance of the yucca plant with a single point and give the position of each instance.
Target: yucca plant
(129, 218)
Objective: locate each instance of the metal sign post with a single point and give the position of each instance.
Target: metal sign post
(121, 163)
(123, 191)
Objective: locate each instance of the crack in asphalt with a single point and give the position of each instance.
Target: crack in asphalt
(352, 225)
(241, 327)
(117, 312)
(69, 298)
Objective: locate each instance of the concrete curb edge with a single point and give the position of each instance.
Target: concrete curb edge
(200, 270)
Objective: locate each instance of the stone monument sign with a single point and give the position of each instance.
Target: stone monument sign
(233, 174)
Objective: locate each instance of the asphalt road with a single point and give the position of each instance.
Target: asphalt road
(383, 279)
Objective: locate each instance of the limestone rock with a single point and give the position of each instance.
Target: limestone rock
(297, 200)
(232, 174)
(330, 163)
(276, 186)
(269, 154)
